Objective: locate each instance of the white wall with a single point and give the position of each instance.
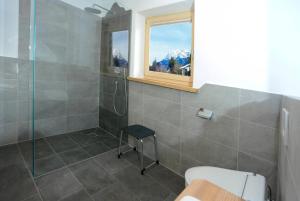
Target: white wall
(9, 28)
(248, 44)
(231, 43)
(284, 38)
(137, 45)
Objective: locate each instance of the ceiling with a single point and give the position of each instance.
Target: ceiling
(136, 5)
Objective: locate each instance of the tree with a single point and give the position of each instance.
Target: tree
(154, 66)
(172, 64)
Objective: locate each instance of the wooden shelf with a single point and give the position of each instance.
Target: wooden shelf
(163, 83)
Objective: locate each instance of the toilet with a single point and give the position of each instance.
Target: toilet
(246, 185)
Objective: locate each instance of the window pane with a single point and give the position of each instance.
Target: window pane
(120, 49)
(170, 48)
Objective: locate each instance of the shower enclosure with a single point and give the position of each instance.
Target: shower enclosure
(70, 67)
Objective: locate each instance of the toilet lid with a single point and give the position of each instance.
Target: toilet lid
(230, 180)
(243, 184)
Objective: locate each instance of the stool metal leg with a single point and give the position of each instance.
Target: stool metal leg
(142, 157)
(120, 143)
(155, 149)
(137, 148)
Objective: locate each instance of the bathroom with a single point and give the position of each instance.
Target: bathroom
(75, 74)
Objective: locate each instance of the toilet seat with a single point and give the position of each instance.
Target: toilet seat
(247, 185)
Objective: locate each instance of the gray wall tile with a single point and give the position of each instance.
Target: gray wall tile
(259, 107)
(49, 108)
(82, 106)
(222, 129)
(135, 102)
(8, 133)
(136, 87)
(258, 140)
(208, 152)
(8, 112)
(168, 157)
(166, 133)
(53, 126)
(222, 100)
(253, 164)
(187, 162)
(78, 89)
(82, 122)
(162, 93)
(162, 110)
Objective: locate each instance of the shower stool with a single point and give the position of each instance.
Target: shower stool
(139, 132)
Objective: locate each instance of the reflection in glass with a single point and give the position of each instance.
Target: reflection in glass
(120, 49)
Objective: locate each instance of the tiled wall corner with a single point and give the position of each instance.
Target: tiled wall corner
(289, 160)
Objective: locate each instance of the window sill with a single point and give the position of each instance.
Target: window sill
(164, 84)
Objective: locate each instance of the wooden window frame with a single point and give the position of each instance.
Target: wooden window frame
(160, 77)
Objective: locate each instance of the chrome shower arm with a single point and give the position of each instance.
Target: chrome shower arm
(96, 5)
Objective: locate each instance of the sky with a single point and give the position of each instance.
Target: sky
(169, 37)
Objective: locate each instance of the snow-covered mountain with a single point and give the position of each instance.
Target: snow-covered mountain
(178, 54)
(118, 59)
(181, 57)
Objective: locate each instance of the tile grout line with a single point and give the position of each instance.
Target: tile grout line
(238, 131)
(71, 164)
(85, 190)
(259, 158)
(153, 177)
(68, 168)
(30, 174)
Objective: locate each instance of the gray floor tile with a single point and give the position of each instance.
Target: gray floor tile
(167, 178)
(74, 155)
(104, 177)
(132, 157)
(115, 192)
(57, 185)
(62, 143)
(95, 149)
(142, 185)
(87, 131)
(42, 150)
(111, 141)
(92, 176)
(44, 165)
(10, 155)
(78, 196)
(171, 197)
(110, 162)
(15, 183)
(34, 198)
(85, 139)
(101, 132)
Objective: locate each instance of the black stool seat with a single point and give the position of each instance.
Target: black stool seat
(138, 131)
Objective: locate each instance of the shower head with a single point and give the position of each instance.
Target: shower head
(93, 9)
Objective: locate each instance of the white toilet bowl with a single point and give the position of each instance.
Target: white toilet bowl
(247, 185)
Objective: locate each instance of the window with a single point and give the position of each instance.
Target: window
(169, 48)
